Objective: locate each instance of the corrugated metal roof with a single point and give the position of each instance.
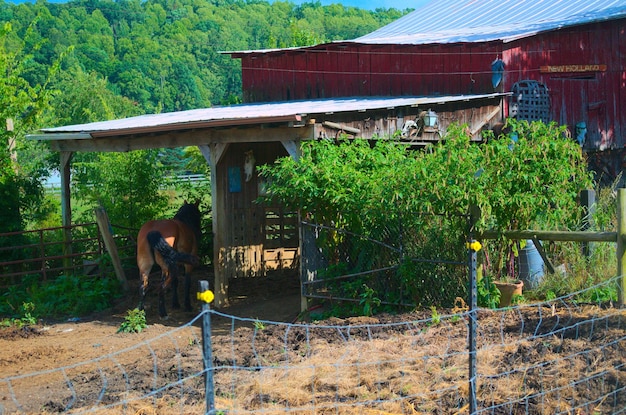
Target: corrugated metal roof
(453, 21)
(246, 114)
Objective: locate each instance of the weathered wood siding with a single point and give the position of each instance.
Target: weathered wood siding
(579, 93)
(597, 98)
(343, 70)
(257, 238)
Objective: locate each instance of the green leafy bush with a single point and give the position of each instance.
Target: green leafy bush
(417, 201)
(134, 322)
(66, 296)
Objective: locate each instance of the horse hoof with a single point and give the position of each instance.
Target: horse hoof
(166, 317)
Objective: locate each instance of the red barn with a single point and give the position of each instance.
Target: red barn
(564, 61)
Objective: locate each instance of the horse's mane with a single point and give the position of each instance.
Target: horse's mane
(189, 214)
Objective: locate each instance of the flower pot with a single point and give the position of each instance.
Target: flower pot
(508, 290)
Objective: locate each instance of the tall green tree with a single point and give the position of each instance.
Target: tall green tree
(21, 109)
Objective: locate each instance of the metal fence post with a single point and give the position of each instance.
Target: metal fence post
(621, 246)
(473, 247)
(206, 296)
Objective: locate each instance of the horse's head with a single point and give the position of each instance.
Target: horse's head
(189, 213)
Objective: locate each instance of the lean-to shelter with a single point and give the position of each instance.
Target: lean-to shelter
(249, 239)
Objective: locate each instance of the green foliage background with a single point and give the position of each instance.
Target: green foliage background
(158, 56)
(94, 60)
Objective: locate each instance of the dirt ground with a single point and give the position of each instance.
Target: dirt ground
(103, 367)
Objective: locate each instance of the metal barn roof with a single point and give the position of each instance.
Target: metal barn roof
(455, 21)
(458, 21)
(244, 114)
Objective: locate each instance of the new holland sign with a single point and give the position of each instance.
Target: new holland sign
(572, 68)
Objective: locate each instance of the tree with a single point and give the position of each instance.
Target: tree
(127, 185)
(21, 109)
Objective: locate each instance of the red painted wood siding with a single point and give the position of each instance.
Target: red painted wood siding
(341, 70)
(368, 70)
(597, 98)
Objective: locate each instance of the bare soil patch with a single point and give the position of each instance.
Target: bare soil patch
(329, 370)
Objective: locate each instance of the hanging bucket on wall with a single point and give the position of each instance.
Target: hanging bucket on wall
(530, 265)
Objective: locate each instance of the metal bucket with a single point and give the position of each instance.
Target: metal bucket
(530, 266)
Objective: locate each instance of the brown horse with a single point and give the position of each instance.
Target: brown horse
(169, 242)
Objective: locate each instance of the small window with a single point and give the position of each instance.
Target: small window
(530, 101)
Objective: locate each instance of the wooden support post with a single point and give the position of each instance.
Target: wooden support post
(66, 208)
(621, 254)
(213, 153)
(588, 202)
(103, 224)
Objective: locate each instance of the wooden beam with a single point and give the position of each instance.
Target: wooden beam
(621, 246)
(174, 139)
(102, 219)
(215, 152)
(66, 206)
(293, 148)
(579, 236)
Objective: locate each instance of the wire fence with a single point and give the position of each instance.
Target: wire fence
(557, 357)
(564, 356)
(403, 262)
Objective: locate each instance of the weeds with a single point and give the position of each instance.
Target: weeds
(134, 322)
(26, 317)
(66, 296)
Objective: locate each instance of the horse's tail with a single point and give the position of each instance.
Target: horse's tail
(169, 254)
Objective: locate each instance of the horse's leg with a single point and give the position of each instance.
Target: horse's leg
(166, 280)
(143, 289)
(187, 288)
(145, 261)
(175, 302)
(143, 286)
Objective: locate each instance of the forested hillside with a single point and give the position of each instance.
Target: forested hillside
(160, 55)
(94, 60)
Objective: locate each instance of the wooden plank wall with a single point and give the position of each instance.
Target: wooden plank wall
(257, 238)
(338, 70)
(345, 70)
(596, 97)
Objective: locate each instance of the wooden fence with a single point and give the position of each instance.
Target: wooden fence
(44, 253)
(618, 237)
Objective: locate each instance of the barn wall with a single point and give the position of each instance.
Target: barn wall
(256, 238)
(579, 91)
(345, 70)
(597, 98)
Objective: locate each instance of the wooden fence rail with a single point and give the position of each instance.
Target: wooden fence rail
(618, 237)
(42, 253)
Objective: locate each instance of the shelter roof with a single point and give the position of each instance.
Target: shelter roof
(240, 115)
